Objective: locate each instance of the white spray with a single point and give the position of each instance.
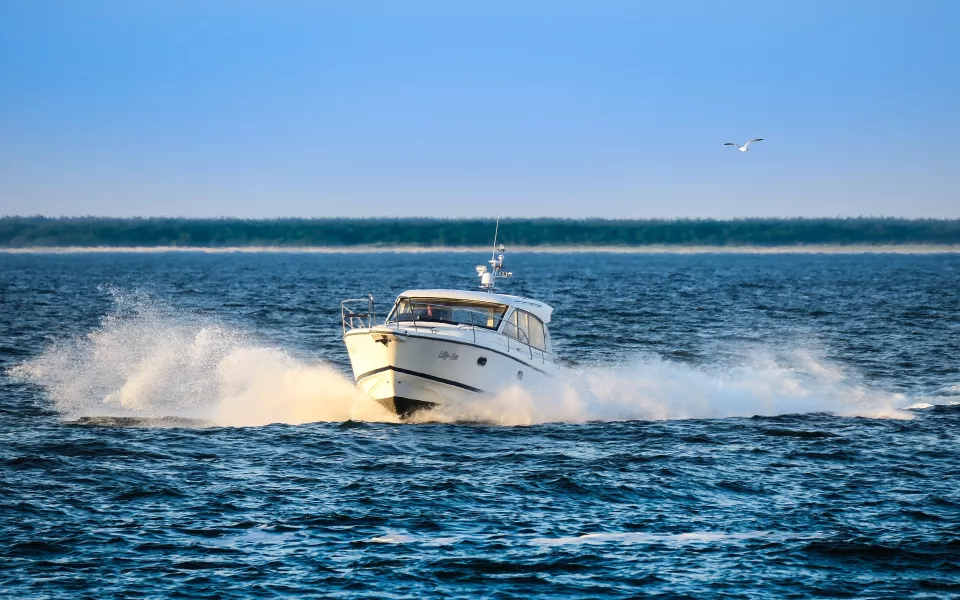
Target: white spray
(150, 364)
(649, 388)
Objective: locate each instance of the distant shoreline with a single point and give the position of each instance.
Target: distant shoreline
(559, 249)
(466, 235)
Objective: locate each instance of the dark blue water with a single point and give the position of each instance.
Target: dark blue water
(738, 427)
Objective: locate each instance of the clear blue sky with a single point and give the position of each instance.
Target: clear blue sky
(541, 108)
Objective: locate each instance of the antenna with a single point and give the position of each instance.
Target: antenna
(488, 279)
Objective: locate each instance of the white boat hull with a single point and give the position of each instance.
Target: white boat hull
(408, 370)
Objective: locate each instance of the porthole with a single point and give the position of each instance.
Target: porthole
(519, 374)
(482, 361)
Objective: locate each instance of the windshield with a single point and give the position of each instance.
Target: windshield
(445, 310)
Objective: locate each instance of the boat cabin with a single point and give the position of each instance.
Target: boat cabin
(518, 318)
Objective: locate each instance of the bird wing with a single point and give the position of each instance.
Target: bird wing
(732, 144)
(756, 140)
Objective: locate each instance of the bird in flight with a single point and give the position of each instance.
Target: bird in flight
(744, 147)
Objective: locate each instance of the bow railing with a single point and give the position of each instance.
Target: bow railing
(352, 316)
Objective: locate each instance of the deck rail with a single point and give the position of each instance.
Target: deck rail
(352, 318)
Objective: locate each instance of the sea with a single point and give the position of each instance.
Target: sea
(185, 425)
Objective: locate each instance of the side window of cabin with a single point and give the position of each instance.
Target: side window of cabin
(526, 328)
(536, 333)
(511, 326)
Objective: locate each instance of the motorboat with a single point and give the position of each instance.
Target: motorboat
(441, 347)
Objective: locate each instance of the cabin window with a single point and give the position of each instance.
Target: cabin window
(537, 338)
(448, 310)
(526, 328)
(512, 327)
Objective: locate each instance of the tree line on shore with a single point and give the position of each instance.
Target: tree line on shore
(21, 232)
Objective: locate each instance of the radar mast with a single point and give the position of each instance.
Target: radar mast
(488, 277)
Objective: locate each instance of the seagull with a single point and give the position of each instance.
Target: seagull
(744, 147)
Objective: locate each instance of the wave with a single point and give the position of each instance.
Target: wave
(626, 537)
(650, 388)
(148, 364)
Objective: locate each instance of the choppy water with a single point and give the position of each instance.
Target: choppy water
(739, 426)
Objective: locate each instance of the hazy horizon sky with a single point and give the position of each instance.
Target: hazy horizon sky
(611, 109)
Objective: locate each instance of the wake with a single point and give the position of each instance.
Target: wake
(148, 364)
(145, 364)
(649, 388)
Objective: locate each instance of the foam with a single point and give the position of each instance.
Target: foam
(648, 388)
(146, 362)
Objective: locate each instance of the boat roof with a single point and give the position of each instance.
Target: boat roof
(534, 307)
